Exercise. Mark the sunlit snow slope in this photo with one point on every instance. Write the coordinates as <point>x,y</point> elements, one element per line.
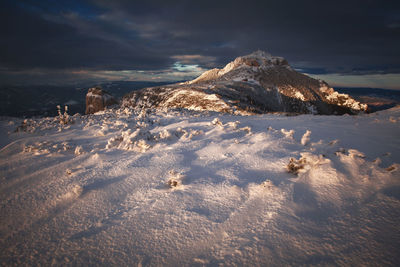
<point>126,188</point>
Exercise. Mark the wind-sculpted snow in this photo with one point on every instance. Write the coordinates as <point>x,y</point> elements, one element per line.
<point>132,187</point>
<point>256,83</point>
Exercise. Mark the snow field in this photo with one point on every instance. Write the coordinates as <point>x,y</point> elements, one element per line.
<point>126,187</point>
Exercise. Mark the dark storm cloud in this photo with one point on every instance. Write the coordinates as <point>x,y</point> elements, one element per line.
<point>338,36</point>
<point>37,39</point>
<point>357,37</point>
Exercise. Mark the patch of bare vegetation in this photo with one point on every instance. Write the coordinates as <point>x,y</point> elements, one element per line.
<point>295,165</point>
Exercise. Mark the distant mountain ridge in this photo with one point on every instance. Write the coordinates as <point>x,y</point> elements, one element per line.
<point>28,101</point>
<point>42,100</point>
<point>255,83</point>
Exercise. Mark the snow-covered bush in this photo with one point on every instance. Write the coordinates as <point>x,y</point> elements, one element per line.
<point>175,179</point>
<point>306,138</point>
<point>63,117</point>
<point>78,150</point>
<point>295,166</point>
<point>216,121</point>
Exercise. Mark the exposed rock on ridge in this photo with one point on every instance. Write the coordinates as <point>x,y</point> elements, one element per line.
<point>256,83</point>
<point>98,99</point>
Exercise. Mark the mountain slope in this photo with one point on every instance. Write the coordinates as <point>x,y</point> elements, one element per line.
<point>256,83</point>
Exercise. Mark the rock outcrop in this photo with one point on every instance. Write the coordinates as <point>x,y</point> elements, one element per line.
<point>98,99</point>
<point>256,83</point>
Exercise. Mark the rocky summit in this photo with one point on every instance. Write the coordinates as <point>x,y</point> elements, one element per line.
<point>98,99</point>
<point>251,84</point>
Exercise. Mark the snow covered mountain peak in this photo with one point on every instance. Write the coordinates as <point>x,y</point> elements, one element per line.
<point>259,54</point>
<point>263,59</point>
<point>250,84</point>
<point>254,61</point>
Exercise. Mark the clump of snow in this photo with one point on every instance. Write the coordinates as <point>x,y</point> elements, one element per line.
<point>187,133</point>
<point>78,150</point>
<point>306,138</point>
<point>286,133</point>
<point>216,121</point>
<point>247,129</point>
<point>74,192</point>
<point>165,134</point>
<point>129,140</point>
<point>233,124</point>
<point>299,95</point>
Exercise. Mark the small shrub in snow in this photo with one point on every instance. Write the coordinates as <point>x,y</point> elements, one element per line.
<point>267,184</point>
<point>172,183</point>
<point>333,142</point>
<point>63,118</point>
<point>141,124</point>
<point>187,134</point>
<point>74,192</point>
<point>77,190</point>
<point>232,124</point>
<point>356,154</point>
<point>216,121</point>
<point>143,114</point>
<point>141,145</point>
<point>130,141</point>
<point>340,151</point>
<point>26,126</point>
<point>181,133</point>
<point>246,129</point>
<point>288,134</point>
<point>295,166</point>
<point>23,126</point>
<point>78,150</point>
<point>65,146</point>
<point>175,179</point>
<point>114,141</point>
<point>165,134</point>
<point>194,133</point>
<point>29,148</point>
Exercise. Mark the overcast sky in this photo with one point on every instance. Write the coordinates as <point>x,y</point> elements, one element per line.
<point>347,43</point>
